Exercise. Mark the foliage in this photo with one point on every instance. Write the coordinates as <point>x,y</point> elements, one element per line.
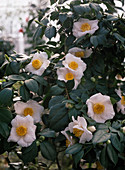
<point>59,98</point>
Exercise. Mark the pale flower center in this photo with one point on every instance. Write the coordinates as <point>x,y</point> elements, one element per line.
<point>37,64</point>
<point>73,65</point>
<point>67,142</point>
<point>69,76</point>
<point>79,54</point>
<point>21,131</point>
<point>85,27</point>
<point>123,100</point>
<point>28,111</point>
<point>77,132</point>
<point>98,108</point>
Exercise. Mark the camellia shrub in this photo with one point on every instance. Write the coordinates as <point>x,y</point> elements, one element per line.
<point>67,99</point>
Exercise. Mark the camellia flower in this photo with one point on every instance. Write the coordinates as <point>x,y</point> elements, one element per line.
<point>23,131</point>
<point>74,64</point>
<point>121,103</point>
<point>69,139</point>
<point>84,26</point>
<point>38,63</point>
<point>79,52</point>
<point>31,108</point>
<point>79,129</point>
<point>100,108</point>
<point>66,74</point>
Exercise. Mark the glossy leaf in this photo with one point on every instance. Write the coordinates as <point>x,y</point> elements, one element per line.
<point>100,136</point>
<point>74,148</point>
<point>32,85</point>
<point>5,115</point>
<point>48,150</point>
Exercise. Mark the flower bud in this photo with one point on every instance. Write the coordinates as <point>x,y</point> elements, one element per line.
<point>108,142</point>
<point>93,79</point>
<point>92,128</point>
<point>69,105</point>
<point>123,129</point>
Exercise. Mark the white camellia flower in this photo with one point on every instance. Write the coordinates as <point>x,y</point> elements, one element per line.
<point>22,131</point>
<point>79,52</point>
<point>31,108</point>
<point>66,74</point>
<point>74,64</point>
<point>79,129</point>
<point>100,108</point>
<point>84,26</point>
<point>38,63</point>
<point>69,139</point>
<point>121,103</point>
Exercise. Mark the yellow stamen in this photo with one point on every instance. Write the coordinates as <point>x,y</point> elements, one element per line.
<point>98,108</point>
<point>85,27</point>
<point>79,54</point>
<point>21,130</point>
<point>77,132</point>
<point>28,111</point>
<point>69,76</point>
<point>67,142</point>
<point>123,100</point>
<point>73,65</point>
<point>37,64</point>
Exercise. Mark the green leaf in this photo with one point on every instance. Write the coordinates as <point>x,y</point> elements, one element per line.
<point>112,154</point>
<point>8,83</point>
<point>104,158</point>
<point>69,40</point>
<point>56,100</point>
<point>113,100</point>
<point>29,153</point>
<point>95,6</point>
<point>112,18</point>
<point>58,117</point>
<point>4,129</point>
<point>50,32</point>
<point>116,143</point>
<point>62,17</point>
<point>73,112</point>
<point>100,136</point>
<point>48,133</point>
<point>78,156</point>
<point>98,40</point>
<point>103,127</point>
<point>32,85</point>
<point>24,93</point>
<point>5,116</point>
<point>70,84</point>
<point>56,90</point>
<point>6,96</point>
<point>40,80</point>
<point>48,150</point>
<point>81,9</point>
<point>119,37</point>
<point>37,33</point>
<point>94,41</point>
<point>74,149</point>
<point>16,77</point>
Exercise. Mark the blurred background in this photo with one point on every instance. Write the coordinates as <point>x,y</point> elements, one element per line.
<point>14,18</point>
